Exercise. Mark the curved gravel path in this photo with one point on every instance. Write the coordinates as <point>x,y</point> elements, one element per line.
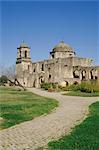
<point>38,132</point>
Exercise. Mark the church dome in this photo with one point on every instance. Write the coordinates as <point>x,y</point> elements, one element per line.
<point>62,47</point>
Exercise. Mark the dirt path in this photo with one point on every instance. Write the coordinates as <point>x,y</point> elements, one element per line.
<point>38,132</point>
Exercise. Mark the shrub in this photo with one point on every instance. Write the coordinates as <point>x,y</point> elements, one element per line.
<point>96,87</point>
<point>74,87</point>
<point>85,87</point>
<point>46,86</point>
<point>3,80</point>
<point>54,86</point>
<point>88,87</point>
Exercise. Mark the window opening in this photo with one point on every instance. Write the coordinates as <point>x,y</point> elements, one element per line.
<point>25,54</point>
<point>49,76</point>
<point>20,54</point>
<point>28,67</point>
<point>42,67</point>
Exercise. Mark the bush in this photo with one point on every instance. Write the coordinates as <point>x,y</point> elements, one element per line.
<point>46,86</point>
<point>85,87</point>
<point>63,88</point>
<point>3,80</point>
<point>73,87</point>
<point>54,86</point>
<point>88,87</point>
<point>96,88</point>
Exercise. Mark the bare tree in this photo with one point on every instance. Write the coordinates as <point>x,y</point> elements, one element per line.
<point>9,72</point>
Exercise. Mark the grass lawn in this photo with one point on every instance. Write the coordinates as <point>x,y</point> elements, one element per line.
<point>83,94</point>
<point>84,136</point>
<point>19,106</point>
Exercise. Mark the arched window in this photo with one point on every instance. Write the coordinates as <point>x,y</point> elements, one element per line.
<point>41,79</point>
<point>25,54</point>
<point>93,74</point>
<point>34,70</point>
<point>76,74</point>
<point>96,75</point>
<point>20,53</point>
<point>49,76</point>
<point>28,67</point>
<point>42,67</point>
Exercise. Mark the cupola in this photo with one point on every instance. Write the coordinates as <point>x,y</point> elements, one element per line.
<point>62,50</point>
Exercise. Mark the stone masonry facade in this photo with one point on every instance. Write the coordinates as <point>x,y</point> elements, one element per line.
<point>63,67</point>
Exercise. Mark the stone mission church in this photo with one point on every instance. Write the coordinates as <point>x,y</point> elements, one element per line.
<point>63,67</point>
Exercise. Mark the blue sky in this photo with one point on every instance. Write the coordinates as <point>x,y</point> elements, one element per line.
<point>43,24</point>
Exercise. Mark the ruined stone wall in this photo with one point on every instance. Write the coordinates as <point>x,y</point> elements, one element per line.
<point>45,71</point>
<point>60,70</point>
<point>55,71</point>
<point>87,73</point>
<point>85,62</point>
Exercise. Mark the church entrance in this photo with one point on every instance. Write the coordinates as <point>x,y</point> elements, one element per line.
<point>41,79</point>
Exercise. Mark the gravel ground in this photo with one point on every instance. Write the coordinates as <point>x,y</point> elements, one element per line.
<point>39,131</point>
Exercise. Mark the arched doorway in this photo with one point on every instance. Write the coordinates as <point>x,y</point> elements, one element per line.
<point>93,74</point>
<point>41,79</point>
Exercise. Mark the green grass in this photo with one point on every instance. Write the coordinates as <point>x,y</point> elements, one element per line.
<point>84,136</point>
<point>19,106</point>
<point>83,94</point>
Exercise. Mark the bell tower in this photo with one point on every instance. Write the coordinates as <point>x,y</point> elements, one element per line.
<point>23,64</point>
<point>23,53</point>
